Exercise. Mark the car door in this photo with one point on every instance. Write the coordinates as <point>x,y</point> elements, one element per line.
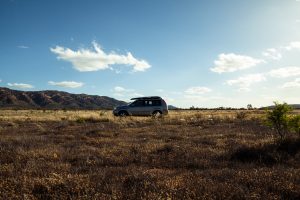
<point>148,108</point>
<point>136,107</point>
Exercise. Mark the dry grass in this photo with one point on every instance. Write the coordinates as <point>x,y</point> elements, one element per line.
<point>186,155</point>
<point>73,115</point>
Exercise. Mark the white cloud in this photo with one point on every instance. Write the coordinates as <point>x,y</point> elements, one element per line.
<point>276,53</point>
<point>285,72</point>
<point>93,60</point>
<point>293,45</point>
<point>124,92</point>
<point>272,53</point>
<point>197,90</point>
<point>23,47</point>
<point>20,85</point>
<point>232,62</point>
<point>67,84</point>
<point>136,94</point>
<point>119,89</point>
<point>295,83</point>
<point>244,82</point>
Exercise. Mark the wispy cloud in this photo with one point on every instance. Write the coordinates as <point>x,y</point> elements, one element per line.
<point>232,62</point>
<point>285,72</point>
<point>276,53</point>
<point>93,60</point>
<point>293,45</point>
<point>66,84</point>
<point>292,84</point>
<point>244,82</point>
<point>120,89</point>
<point>272,53</point>
<point>124,92</point>
<point>20,85</point>
<point>197,90</point>
<point>22,47</point>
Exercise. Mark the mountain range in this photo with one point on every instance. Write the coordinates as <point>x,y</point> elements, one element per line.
<point>51,99</point>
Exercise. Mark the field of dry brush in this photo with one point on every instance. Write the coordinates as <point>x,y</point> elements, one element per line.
<point>186,155</point>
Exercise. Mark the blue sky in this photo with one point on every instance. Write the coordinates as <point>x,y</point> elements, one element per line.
<point>207,53</point>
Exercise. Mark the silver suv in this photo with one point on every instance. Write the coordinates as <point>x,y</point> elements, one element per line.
<point>143,106</point>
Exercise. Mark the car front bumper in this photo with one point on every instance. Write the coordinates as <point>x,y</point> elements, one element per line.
<point>115,112</point>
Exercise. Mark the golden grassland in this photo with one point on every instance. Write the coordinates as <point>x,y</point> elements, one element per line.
<point>46,154</point>
<point>73,115</point>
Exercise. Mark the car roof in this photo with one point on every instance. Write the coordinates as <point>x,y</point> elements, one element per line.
<point>147,98</point>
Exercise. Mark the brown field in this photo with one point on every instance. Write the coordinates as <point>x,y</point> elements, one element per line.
<point>185,155</point>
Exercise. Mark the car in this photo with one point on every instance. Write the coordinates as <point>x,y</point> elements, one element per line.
<point>143,106</point>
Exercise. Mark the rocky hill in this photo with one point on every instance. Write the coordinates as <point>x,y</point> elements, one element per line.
<point>50,99</point>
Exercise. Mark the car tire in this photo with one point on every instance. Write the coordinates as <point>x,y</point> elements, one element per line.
<point>157,114</point>
<point>122,113</point>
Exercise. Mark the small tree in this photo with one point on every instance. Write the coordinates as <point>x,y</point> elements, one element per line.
<point>249,107</point>
<point>278,119</point>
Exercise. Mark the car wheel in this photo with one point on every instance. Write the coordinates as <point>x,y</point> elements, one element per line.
<point>156,114</point>
<point>123,113</point>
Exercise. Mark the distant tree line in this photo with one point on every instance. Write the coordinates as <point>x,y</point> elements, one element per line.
<point>249,107</point>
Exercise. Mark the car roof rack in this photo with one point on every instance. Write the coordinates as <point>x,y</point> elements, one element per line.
<point>143,98</point>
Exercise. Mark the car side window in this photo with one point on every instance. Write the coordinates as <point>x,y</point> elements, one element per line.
<point>138,103</point>
<point>148,103</point>
<point>156,103</point>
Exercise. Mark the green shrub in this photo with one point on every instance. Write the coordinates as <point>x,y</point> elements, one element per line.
<point>278,119</point>
<point>294,124</point>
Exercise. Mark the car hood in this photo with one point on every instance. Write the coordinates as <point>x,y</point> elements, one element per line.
<point>121,107</point>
